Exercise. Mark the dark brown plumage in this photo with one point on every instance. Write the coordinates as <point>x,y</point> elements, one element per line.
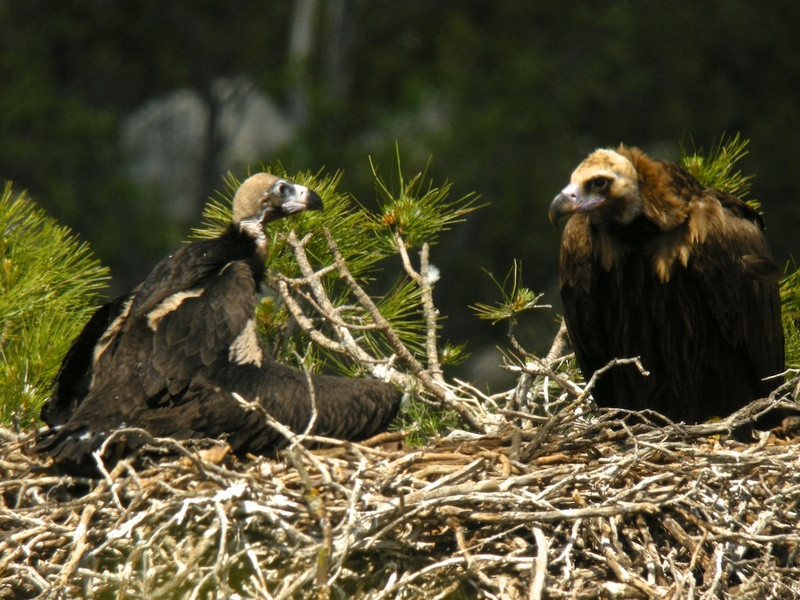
<point>169,356</point>
<point>655,265</point>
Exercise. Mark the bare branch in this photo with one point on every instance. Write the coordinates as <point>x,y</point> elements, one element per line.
<point>384,326</point>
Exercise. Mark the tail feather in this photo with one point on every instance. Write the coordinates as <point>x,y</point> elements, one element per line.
<point>73,451</point>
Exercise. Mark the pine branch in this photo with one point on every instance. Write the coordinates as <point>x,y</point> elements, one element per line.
<point>715,169</point>
<point>49,283</point>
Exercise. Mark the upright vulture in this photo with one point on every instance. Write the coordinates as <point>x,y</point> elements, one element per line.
<point>655,265</point>
<point>169,356</point>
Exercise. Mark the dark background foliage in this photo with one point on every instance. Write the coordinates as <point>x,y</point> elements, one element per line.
<point>506,97</point>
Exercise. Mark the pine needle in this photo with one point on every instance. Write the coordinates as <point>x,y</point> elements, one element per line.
<point>49,285</point>
<point>715,169</point>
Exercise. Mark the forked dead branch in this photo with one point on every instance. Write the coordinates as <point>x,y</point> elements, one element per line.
<point>539,496</point>
<point>428,375</point>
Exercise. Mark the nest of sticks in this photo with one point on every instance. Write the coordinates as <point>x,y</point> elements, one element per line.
<point>544,496</point>
<point>579,507</point>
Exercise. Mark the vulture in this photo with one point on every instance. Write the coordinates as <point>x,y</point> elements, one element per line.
<point>657,266</point>
<point>171,356</point>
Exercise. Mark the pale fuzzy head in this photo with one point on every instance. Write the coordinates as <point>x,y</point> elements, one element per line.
<point>263,197</point>
<point>605,185</point>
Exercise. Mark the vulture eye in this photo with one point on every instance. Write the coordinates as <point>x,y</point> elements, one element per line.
<point>282,188</point>
<point>598,184</point>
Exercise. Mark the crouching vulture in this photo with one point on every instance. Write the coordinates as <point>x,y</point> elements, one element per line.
<point>169,356</point>
<point>655,265</point>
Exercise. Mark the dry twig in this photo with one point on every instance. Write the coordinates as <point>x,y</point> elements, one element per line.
<point>653,513</point>
<point>565,503</point>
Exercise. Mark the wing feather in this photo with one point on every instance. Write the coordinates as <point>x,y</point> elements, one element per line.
<point>199,331</point>
<point>74,378</point>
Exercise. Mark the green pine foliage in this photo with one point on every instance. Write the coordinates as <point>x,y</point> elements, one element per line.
<point>49,284</point>
<point>515,298</point>
<point>715,169</point>
<point>790,306</point>
<point>416,208</point>
<point>424,422</point>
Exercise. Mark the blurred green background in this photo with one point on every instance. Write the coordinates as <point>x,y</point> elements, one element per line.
<point>120,118</point>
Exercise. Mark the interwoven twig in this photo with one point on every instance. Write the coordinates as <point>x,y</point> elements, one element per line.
<point>605,507</point>
<point>543,497</point>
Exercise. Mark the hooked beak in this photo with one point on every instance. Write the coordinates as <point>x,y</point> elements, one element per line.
<point>299,198</point>
<point>289,199</point>
<point>572,200</point>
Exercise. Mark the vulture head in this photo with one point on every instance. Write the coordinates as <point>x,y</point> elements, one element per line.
<point>605,185</point>
<point>263,198</point>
